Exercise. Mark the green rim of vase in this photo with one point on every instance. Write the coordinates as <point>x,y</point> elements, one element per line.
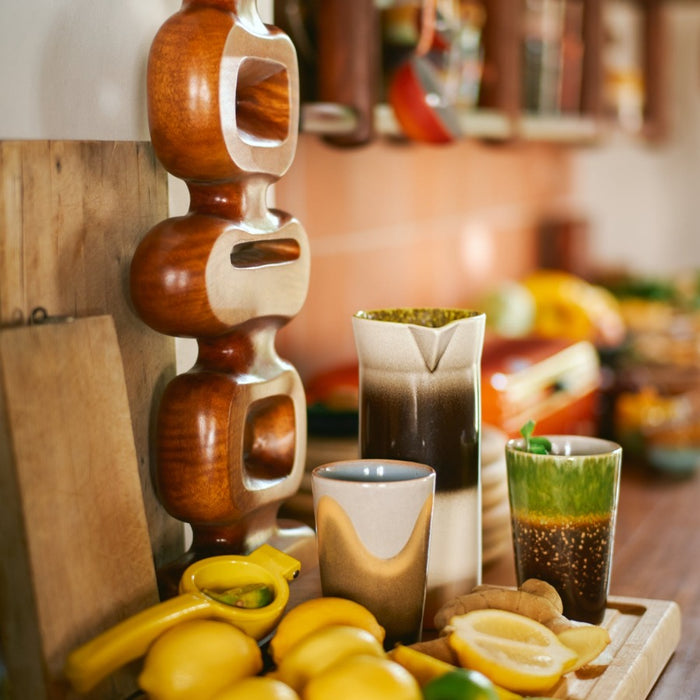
<point>418,316</point>
<point>555,485</point>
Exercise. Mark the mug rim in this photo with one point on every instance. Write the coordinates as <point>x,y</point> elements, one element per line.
<point>419,471</point>
<point>599,446</point>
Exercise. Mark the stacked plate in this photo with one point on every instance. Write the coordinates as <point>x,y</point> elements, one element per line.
<point>495,509</point>
<point>496,532</point>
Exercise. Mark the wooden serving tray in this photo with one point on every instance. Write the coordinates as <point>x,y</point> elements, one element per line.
<point>644,635</point>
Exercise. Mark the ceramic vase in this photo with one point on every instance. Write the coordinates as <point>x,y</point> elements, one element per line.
<point>420,401</point>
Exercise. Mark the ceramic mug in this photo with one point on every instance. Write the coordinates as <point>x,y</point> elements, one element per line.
<point>373,526</point>
<point>563,511</point>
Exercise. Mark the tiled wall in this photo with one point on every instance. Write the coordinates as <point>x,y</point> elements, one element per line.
<point>393,224</point>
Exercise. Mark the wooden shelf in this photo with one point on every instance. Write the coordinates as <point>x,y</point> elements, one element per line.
<point>488,124</point>
<point>560,128</point>
<point>350,113</point>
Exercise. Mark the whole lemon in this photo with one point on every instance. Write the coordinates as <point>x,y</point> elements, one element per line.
<point>316,613</point>
<point>323,648</point>
<point>363,677</point>
<point>195,659</point>
<point>257,688</point>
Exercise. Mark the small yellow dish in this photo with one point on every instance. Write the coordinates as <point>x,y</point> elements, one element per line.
<point>130,639</point>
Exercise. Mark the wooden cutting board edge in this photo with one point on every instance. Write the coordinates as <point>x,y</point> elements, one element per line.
<point>645,652</point>
<point>76,554</point>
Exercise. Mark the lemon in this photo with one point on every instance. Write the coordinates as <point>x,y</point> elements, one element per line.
<point>568,306</point>
<point>514,651</point>
<point>363,677</point>
<point>421,666</point>
<point>311,615</point>
<point>323,648</point>
<point>257,688</point>
<point>195,659</point>
<point>460,684</point>
<point>588,641</point>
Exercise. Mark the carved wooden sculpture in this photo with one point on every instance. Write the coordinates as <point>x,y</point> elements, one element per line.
<point>231,432</point>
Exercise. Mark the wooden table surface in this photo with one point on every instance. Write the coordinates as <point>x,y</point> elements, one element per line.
<point>656,555</point>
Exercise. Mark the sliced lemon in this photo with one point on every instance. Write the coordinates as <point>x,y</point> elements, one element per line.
<point>514,651</point>
<point>588,641</point>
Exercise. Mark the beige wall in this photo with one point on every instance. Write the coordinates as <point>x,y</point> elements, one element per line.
<point>642,198</point>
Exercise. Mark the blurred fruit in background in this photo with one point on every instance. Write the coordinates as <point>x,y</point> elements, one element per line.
<point>654,396</point>
<point>656,415</point>
<point>567,306</point>
<point>510,310</point>
<point>555,304</point>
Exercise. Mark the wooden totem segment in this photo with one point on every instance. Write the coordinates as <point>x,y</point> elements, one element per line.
<point>231,432</point>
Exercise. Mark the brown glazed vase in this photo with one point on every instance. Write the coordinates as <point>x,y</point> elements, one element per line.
<point>420,401</point>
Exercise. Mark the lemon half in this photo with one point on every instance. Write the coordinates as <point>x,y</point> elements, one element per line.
<point>512,650</point>
<point>588,641</point>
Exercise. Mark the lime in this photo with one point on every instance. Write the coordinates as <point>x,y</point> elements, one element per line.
<point>460,684</point>
<point>510,310</point>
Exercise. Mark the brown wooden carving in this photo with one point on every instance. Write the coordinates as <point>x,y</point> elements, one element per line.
<point>223,107</point>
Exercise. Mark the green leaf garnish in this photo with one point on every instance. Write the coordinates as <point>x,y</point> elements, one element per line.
<point>527,430</point>
<point>535,444</point>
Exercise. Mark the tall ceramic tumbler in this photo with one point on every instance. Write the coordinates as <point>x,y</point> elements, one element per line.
<point>563,511</point>
<point>373,526</point>
<point>420,401</point>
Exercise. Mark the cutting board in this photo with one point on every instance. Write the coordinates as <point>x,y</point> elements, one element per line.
<point>74,544</point>
<point>72,214</point>
<point>644,634</point>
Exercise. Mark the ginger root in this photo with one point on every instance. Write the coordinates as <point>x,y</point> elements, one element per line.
<point>535,599</point>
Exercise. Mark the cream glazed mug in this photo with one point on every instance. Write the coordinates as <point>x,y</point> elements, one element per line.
<point>373,520</point>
